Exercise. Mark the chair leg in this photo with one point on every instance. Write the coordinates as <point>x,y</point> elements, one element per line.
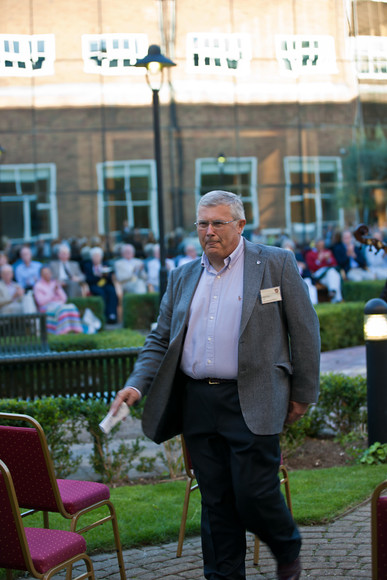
<point>113,518</point>
<point>256,551</point>
<point>184,518</point>
<point>46,522</point>
<point>8,574</point>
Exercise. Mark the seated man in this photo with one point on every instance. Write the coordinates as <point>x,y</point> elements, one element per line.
<point>27,272</point>
<point>130,272</point>
<point>68,272</point>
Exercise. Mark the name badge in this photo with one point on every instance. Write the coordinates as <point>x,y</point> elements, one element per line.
<point>271,295</point>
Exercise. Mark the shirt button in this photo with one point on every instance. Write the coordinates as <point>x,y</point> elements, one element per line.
<point>209,361</point>
<point>209,339</point>
<point>211,318</point>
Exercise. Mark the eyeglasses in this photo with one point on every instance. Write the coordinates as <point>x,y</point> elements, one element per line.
<point>216,224</point>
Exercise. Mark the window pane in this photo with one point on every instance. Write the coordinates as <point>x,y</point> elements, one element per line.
<point>141,217</point>
<point>115,189</point>
<point>7,188</point>
<point>117,215</point>
<point>139,188</point>
<point>11,219</point>
<point>329,209</point>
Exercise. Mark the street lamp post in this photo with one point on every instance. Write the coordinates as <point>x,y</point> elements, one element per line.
<point>155,63</point>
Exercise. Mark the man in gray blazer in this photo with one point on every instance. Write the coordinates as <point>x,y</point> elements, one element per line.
<point>68,272</point>
<point>235,356</point>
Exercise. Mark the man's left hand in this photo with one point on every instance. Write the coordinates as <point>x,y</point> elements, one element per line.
<point>295,412</point>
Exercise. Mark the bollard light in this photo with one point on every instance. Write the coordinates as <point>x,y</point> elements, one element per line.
<point>375,335</point>
<point>375,320</point>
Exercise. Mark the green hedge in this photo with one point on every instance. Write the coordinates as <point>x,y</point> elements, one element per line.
<point>121,338</point>
<point>95,303</point>
<point>341,325</point>
<point>362,291</point>
<point>140,310</point>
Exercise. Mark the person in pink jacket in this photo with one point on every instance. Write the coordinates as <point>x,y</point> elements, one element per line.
<point>50,298</point>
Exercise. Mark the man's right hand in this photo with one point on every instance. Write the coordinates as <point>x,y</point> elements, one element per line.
<point>127,395</point>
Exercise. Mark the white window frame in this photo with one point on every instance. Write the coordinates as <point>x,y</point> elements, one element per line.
<point>128,167</point>
<point>219,49</point>
<point>321,51</point>
<point>122,48</point>
<point>310,165</point>
<point>46,170</point>
<point>370,52</point>
<point>210,165</point>
<point>27,49</point>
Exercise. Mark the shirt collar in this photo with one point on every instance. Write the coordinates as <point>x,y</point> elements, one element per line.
<point>229,261</point>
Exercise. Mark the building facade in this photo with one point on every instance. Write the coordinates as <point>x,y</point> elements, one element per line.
<point>274,101</point>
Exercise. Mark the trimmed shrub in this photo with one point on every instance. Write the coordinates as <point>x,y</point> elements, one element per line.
<point>341,325</point>
<point>95,303</point>
<point>121,338</point>
<point>140,310</point>
<point>362,291</point>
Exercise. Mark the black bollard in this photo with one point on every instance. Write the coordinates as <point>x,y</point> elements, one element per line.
<point>375,334</point>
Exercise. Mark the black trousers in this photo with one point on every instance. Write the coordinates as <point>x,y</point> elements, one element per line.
<point>237,473</point>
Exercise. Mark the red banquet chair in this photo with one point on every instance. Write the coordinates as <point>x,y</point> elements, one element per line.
<point>25,452</point>
<point>191,486</point>
<point>40,552</point>
<point>379,532</point>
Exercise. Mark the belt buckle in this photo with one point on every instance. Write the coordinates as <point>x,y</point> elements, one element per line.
<point>213,382</point>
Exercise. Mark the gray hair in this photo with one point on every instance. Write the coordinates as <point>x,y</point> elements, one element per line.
<point>218,197</point>
<point>96,250</point>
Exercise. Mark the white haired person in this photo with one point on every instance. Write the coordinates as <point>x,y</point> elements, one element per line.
<point>11,293</point>
<point>61,317</point>
<point>99,276</point>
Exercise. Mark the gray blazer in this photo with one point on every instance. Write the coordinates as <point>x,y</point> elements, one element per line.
<point>278,348</point>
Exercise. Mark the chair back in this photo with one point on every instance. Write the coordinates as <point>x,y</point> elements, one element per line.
<point>12,536</point>
<point>25,452</point>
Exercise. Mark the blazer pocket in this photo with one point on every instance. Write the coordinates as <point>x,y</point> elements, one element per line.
<point>287,366</point>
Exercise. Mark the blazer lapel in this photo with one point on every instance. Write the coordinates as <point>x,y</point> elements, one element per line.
<point>254,267</point>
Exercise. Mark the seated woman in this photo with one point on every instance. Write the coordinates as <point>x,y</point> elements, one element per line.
<point>99,277</point>
<point>50,298</point>
<point>11,293</point>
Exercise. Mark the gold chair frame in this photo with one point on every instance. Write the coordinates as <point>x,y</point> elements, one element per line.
<point>374,528</point>
<point>65,565</point>
<point>191,486</point>
<point>60,507</point>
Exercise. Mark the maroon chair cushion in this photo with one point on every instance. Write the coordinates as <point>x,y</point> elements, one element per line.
<point>77,495</point>
<point>21,451</point>
<point>381,517</point>
<point>49,548</point>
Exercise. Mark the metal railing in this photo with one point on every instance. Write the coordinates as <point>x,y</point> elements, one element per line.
<point>87,374</point>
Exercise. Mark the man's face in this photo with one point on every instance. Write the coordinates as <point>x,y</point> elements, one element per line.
<point>221,242</point>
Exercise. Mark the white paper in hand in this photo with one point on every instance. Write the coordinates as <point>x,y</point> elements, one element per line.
<point>108,423</point>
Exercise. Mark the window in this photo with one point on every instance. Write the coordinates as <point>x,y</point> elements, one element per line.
<point>127,191</point>
<point>27,55</point>
<point>311,201</point>
<point>236,174</point>
<point>302,54</point>
<point>113,54</point>
<point>221,53</point>
<point>28,202</point>
<point>370,56</point>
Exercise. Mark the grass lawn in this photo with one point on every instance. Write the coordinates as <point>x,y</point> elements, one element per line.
<point>150,514</point>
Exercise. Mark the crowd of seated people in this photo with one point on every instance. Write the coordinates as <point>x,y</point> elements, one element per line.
<point>131,264</point>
